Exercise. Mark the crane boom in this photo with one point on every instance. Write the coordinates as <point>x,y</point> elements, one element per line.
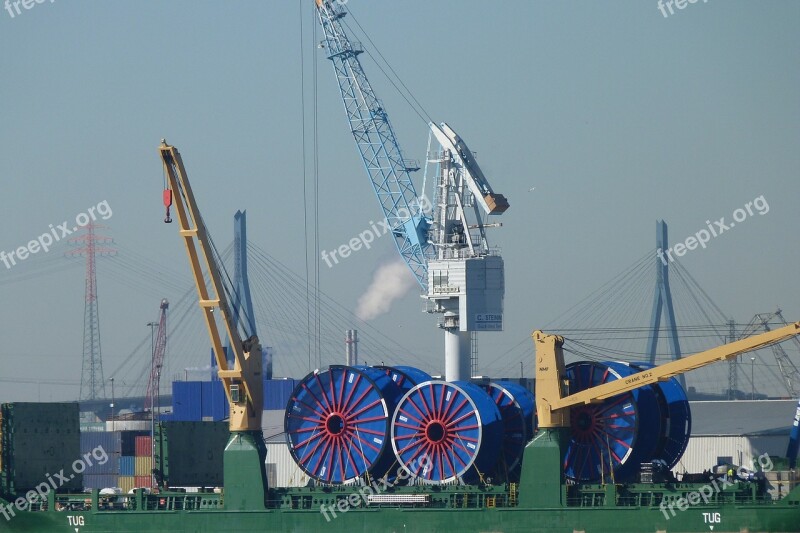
<point>491,202</point>
<point>157,362</point>
<point>553,405</point>
<point>243,384</point>
<point>380,152</point>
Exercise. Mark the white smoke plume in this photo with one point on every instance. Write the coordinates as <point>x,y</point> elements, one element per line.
<point>389,282</point>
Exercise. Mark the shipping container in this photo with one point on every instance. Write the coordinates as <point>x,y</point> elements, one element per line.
<point>127,466</point>
<point>100,452</point>
<point>129,440</point>
<point>144,446</point>
<point>108,441</point>
<point>205,401</point>
<point>192,453</point>
<point>99,481</point>
<point>219,402</point>
<point>187,397</point>
<point>143,481</point>
<point>101,463</point>
<point>277,392</point>
<point>126,483</point>
<point>37,439</point>
<point>143,466</point>
<point>127,425</point>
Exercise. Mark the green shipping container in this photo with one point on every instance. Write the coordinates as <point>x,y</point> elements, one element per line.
<point>189,454</point>
<point>38,441</point>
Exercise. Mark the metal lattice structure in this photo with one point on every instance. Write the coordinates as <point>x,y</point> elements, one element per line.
<point>157,362</point>
<point>93,385</point>
<point>380,152</point>
<point>788,370</point>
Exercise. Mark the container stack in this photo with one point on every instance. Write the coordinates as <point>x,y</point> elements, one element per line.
<point>143,467</point>
<point>103,450</point>
<point>127,468</point>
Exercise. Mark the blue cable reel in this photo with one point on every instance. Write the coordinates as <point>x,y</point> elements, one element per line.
<point>602,435</point>
<point>337,423</point>
<point>678,417</point>
<point>517,406</point>
<point>446,432</point>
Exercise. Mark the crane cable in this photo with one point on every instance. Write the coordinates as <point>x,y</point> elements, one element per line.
<point>305,178</point>
<point>418,109</point>
<point>317,303</point>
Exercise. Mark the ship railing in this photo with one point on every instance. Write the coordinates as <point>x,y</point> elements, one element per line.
<point>373,499</point>
<point>182,501</point>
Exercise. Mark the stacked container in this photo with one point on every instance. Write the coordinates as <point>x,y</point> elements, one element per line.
<point>127,469</point>
<point>143,467</point>
<point>103,451</point>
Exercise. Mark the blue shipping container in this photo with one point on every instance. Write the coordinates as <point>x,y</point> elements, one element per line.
<point>99,481</point>
<point>109,441</point>
<point>100,451</point>
<point>187,399</point>
<point>127,465</point>
<point>205,410</point>
<point>277,392</point>
<point>219,402</point>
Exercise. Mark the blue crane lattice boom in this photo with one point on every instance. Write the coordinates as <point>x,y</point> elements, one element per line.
<point>377,145</point>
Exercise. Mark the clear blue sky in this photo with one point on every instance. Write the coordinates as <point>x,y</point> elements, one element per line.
<point>616,115</point>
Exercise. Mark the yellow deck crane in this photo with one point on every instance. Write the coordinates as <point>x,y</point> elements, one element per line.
<point>542,474</point>
<point>243,384</point>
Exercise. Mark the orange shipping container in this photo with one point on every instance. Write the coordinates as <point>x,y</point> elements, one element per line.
<point>144,446</point>
<point>144,481</point>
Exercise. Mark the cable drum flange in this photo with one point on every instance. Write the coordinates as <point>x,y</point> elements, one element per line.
<point>678,427</point>
<point>405,377</point>
<point>652,423</point>
<point>443,432</point>
<point>517,406</point>
<point>603,434</point>
<point>337,423</point>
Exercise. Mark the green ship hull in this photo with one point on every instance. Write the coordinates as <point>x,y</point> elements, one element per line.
<point>727,518</point>
<point>541,502</point>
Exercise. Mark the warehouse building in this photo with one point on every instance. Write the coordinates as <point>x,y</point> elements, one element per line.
<point>736,432</point>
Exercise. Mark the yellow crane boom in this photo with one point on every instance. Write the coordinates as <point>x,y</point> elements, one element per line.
<point>243,383</point>
<point>552,403</point>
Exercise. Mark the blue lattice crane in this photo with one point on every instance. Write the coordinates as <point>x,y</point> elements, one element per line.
<point>448,253</point>
<point>377,144</point>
